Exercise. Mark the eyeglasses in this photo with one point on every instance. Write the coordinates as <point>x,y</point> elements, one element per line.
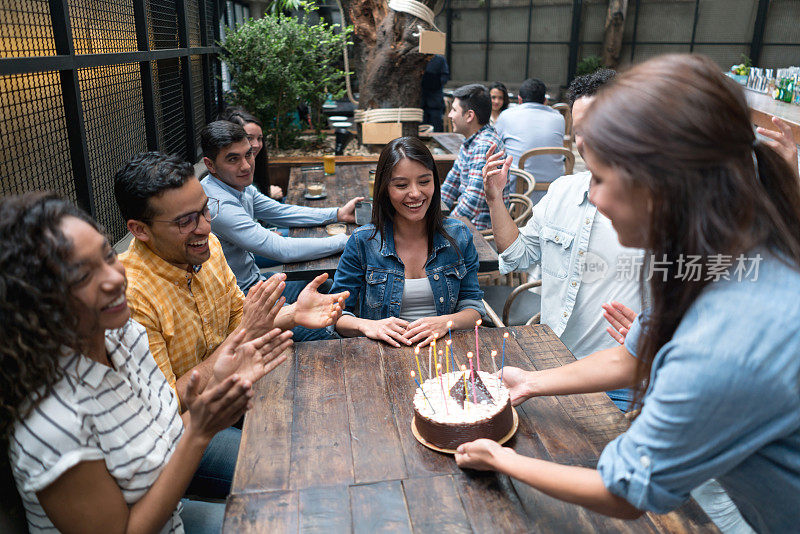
<point>188,223</point>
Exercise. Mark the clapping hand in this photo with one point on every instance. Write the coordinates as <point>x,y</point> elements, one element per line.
<point>620,317</point>
<point>218,406</point>
<point>495,173</point>
<point>317,310</point>
<point>251,360</point>
<point>262,304</point>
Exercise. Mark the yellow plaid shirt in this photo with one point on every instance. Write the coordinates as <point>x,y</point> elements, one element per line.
<point>186,314</point>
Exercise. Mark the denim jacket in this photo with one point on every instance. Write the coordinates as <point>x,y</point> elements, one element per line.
<point>374,274</point>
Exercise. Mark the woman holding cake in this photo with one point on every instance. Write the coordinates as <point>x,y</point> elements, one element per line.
<point>94,436</point>
<point>411,271</point>
<point>716,357</point>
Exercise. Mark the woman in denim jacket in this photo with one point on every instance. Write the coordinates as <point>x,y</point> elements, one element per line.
<point>409,280</point>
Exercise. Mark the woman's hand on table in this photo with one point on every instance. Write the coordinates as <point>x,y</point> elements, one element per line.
<point>495,173</point>
<point>422,331</point>
<point>391,330</point>
<point>318,310</point>
<point>782,142</point>
<point>518,383</point>
<point>481,454</point>
<point>621,318</point>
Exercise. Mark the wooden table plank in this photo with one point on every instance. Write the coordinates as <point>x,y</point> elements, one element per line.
<point>324,510</point>
<point>377,451</point>
<point>350,409</point>
<point>351,181</point>
<point>321,453</point>
<point>435,506</point>
<point>265,450</point>
<point>491,503</point>
<point>379,507</point>
<point>273,511</point>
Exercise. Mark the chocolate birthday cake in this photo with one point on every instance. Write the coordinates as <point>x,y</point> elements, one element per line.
<point>449,412</point>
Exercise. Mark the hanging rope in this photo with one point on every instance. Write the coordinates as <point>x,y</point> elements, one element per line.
<point>413,7</point>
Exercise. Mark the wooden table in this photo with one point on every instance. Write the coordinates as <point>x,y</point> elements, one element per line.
<point>348,182</point>
<point>328,448</point>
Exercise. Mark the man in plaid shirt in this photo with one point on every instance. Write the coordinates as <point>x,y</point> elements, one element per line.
<point>462,190</point>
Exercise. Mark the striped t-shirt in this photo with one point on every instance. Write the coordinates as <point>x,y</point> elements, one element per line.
<point>126,416</point>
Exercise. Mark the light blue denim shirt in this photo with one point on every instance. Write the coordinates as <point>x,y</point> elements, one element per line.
<point>242,237</point>
<point>375,275</point>
<point>723,403</point>
<point>531,125</point>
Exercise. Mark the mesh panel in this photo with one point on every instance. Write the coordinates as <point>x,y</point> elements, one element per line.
<point>169,106</point>
<point>163,26</point>
<point>549,63</point>
<point>34,151</point>
<point>723,55</point>
<point>193,21</point>
<point>25,29</point>
<point>467,62</point>
<point>210,5</point>
<point>102,26</point>
<point>644,52</point>
<point>779,56</point>
<point>726,21</point>
<point>508,25</point>
<point>551,22</point>
<point>198,99</point>
<point>660,20</point>
<point>782,25</point>
<point>593,21</point>
<point>112,112</point>
<point>505,64</point>
<point>469,25</point>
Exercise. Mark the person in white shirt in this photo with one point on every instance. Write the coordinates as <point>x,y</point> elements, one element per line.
<point>581,258</point>
<point>96,442</point>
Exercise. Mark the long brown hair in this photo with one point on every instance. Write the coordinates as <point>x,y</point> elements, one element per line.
<point>677,128</point>
<point>382,209</point>
<point>37,310</point>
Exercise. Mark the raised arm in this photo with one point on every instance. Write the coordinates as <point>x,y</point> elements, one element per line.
<point>495,179</point>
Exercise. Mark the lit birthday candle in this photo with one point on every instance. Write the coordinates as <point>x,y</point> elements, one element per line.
<point>441,383</point>
<point>472,377</point>
<point>503,360</point>
<point>423,391</point>
<point>477,348</point>
<point>450,332</point>
<point>466,395</point>
<point>416,357</point>
<point>494,362</point>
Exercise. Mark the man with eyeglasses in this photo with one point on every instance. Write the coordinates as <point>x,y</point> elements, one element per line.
<point>182,291</point>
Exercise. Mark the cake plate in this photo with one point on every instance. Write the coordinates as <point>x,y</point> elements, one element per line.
<point>453,451</point>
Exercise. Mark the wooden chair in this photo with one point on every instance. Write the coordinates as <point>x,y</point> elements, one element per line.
<point>520,306</point>
<point>520,207</point>
<point>524,178</point>
<point>569,157</point>
<point>567,113</point>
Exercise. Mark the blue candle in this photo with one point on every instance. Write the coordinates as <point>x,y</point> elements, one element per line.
<point>503,359</point>
<point>423,391</point>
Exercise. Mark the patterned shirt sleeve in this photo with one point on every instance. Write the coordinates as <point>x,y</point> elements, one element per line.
<point>473,200</point>
<point>451,183</point>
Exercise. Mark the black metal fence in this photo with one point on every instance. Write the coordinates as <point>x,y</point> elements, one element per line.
<point>511,40</point>
<point>84,84</point>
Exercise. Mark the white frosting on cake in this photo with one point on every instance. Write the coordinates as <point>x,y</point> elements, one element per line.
<point>445,409</point>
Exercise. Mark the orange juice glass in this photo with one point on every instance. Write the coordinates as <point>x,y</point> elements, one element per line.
<point>329,162</point>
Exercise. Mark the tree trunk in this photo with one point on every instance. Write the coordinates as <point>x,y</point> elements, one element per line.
<point>390,68</point>
<point>614,28</point>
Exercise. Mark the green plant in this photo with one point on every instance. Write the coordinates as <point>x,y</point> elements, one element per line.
<point>589,64</point>
<point>279,61</point>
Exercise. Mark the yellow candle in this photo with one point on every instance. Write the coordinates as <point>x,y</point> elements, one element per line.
<point>416,357</point>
